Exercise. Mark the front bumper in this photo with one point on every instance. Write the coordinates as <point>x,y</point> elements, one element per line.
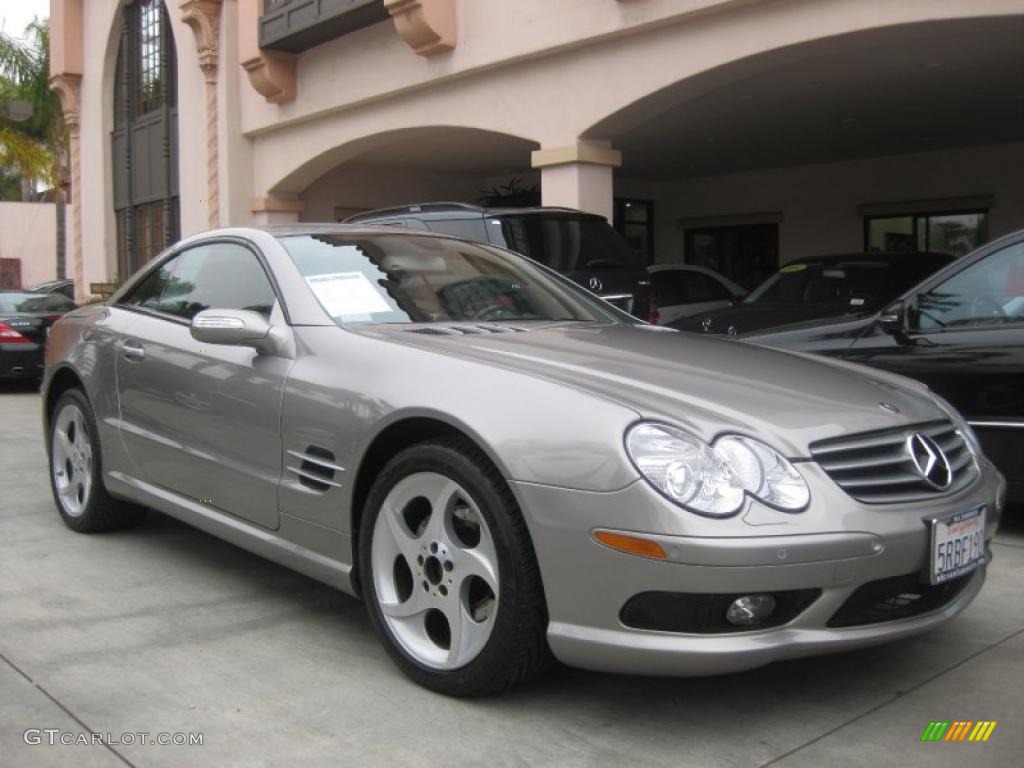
<point>836,546</point>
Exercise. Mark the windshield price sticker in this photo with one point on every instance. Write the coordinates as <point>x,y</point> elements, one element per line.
<point>344,294</point>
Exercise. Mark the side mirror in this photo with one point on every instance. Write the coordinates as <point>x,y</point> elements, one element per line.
<point>239,328</point>
<point>893,319</point>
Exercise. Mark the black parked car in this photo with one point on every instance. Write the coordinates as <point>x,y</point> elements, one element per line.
<point>25,319</point>
<point>856,284</point>
<point>64,286</point>
<point>581,246</point>
<point>961,332</point>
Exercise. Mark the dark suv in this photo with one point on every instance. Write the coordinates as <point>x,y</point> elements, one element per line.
<point>581,246</point>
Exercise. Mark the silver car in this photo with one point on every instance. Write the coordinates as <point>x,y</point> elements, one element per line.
<point>506,468</point>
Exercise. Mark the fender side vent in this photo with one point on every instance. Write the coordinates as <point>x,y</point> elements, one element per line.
<point>315,468</point>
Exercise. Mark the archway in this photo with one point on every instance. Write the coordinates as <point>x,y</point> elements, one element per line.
<point>420,164</point>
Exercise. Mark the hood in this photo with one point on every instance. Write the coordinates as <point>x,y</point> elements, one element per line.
<point>706,384</point>
<point>747,318</point>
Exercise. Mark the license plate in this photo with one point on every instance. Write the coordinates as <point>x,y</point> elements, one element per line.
<point>958,545</point>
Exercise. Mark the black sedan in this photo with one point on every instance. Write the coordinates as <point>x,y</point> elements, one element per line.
<point>961,332</point>
<point>25,319</point>
<point>63,286</point>
<point>808,290</point>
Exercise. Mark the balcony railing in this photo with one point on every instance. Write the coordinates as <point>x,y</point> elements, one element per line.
<point>296,25</point>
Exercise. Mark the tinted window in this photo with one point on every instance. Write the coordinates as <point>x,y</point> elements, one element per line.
<point>565,244</point>
<point>699,288</point>
<point>471,229</point>
<point>215,276</point>
<point>679,286</point>
<point>855,284</point>
<point>989,292</point>
<point>147,293</point>
<point>668,288</point>
<point>34,302</point>
<point>407,278</point>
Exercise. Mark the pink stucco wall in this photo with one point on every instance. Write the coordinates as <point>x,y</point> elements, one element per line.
<point>28,231</point>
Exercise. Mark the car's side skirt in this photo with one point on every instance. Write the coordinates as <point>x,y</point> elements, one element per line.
<point>279,546</point>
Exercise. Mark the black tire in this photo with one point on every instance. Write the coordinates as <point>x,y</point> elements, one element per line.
<point>517,648</point>
<point>101,512</point>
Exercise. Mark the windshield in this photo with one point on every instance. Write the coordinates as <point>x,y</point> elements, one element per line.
<point>420,279</point>
<point>855,284</point>
<point>34,302</point>
<point>564,243</point>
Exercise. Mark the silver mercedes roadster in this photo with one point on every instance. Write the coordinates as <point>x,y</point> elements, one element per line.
<point>507,469</point>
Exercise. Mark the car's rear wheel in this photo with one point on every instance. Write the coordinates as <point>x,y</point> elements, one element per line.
<point>449,574</point>
<point>76,476</point>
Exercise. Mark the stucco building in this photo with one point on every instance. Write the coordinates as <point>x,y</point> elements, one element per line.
<point>734,133</point>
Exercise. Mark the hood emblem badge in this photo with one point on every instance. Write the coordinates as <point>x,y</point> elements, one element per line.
<point>732,330</point>
<point>929,461</point>
<point>888,407</point>
<point>595,284</point>
<point>705,324</point>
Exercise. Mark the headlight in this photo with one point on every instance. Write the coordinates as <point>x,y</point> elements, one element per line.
<point>764,472</point>
<point>960,422</point>
<point>685,469</point>
<point>712,480</point>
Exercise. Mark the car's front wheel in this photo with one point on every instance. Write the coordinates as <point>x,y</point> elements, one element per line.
<point>76,476</point>
<point>449,574</point>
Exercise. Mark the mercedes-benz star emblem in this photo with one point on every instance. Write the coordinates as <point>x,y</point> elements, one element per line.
<point>705,324</point>
<point>595,284</point>
<point>929,460</point>
<point>888,407</point>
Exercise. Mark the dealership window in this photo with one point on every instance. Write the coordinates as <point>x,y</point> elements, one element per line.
<point>954,233</point>
<point>745,253</point>
<point>634,220</point>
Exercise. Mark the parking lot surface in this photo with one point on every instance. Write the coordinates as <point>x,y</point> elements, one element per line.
<point>166,630</point>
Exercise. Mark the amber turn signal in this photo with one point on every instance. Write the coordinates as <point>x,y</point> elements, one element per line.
<point>631,545</point>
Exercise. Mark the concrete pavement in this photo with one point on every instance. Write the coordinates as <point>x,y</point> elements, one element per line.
<point>166,629</point>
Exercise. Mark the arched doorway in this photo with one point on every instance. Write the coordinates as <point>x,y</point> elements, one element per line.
<point>145,136</point>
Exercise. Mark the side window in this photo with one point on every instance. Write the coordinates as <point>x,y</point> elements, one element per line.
<point>147,293</point>
<point>668,290</point>
<point>989,292</point>
<point>472,229</point>
<point>701,288</point>
<point>215,276</point>
<point>715,290</point>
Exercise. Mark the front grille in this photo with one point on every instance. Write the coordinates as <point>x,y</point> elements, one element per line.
<point>899,597</point>
<point>876,467</point>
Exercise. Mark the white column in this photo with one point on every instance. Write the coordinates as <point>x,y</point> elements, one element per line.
<point>578,176</point>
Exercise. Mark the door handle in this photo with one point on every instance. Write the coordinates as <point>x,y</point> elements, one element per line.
<point>133,350</point>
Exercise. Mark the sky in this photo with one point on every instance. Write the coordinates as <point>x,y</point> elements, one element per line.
<point>15,15</point>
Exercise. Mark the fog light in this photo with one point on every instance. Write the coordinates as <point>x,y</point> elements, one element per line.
<point>750,609</point>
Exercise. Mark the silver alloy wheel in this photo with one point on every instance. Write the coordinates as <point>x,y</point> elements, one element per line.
<point>435,571</point>
<point>72,460</point>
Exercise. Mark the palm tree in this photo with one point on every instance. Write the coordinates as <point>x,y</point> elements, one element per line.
<point>34,147</point>
<point>30,146</point>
